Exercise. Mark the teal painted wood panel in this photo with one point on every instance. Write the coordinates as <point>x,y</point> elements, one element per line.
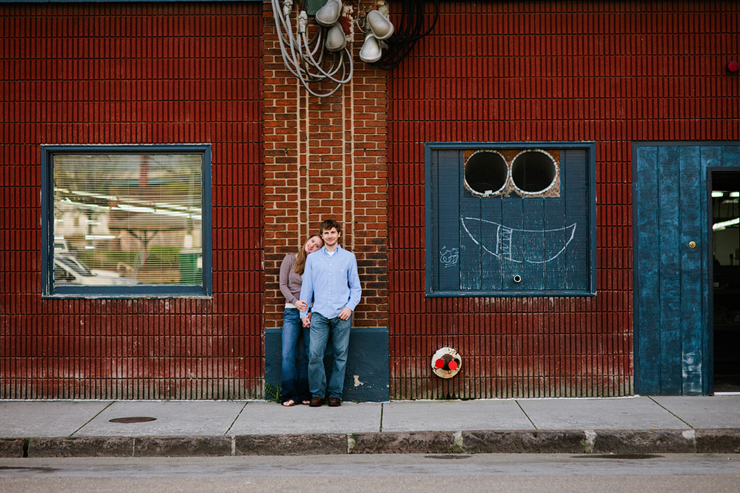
<point>474,273</point>
<point>556,221</point>
<point>647,270</point>
<point>492,274</point>
<point>670,267</point>
<point>505,243</point>
<point>510,243</point>
<point>534,211</point>
<point>673,331</point>
<point>447,251</point>
<point>692,270</point>
<point>574,191</point>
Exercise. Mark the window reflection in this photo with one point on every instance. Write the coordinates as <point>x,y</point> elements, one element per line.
<point>127,219</point>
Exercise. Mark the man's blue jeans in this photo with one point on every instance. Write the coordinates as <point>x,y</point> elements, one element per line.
<point>321,328</point>
<point>295,379</point>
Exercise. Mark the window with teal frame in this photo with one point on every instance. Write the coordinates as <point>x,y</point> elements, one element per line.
<point>126,221</point>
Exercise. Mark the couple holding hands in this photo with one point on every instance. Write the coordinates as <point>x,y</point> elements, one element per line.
<point>321,288</point>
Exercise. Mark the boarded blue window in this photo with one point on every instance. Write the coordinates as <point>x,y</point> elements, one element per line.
<point>512,219</point>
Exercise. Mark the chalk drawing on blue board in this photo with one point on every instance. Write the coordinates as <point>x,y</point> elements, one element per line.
<point>512,244</point>
<point>449,256</point>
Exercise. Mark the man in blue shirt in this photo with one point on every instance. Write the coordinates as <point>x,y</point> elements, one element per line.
<point>331,281</point>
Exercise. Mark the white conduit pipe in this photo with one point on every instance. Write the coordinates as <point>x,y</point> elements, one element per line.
<point>299,53</point>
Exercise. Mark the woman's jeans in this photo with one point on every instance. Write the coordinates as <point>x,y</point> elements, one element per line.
<point>295,377</point>
<point>321,329</point>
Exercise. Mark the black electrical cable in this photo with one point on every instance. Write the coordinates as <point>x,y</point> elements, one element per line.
<point>408,33</point>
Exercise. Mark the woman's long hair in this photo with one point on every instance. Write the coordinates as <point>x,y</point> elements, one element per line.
<point>300,260</point>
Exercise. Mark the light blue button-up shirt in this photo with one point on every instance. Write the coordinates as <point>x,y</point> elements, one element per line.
<point>331,281</point>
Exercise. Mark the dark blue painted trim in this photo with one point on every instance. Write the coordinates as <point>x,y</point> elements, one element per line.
<point>684,143</point>
<point>464,146</point>
<point>48,289</point>
<point>506,294</point>
<point>47,219</point>
<point>428,216</point>
<point>592,216</point>
<point>430,147</point>
<point>636,286</point>
<point>368,360</point>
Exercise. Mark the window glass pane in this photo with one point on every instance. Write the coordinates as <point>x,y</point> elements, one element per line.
<point>127,219</point>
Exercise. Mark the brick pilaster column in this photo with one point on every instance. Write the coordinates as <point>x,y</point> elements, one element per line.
<point>326,158</point>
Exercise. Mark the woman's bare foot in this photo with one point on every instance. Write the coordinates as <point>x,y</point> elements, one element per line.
<point>289,403</point>
<point>306,403</point>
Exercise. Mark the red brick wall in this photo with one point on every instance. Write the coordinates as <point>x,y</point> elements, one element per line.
<point>132,74</point>
<point>325,158</point>
<point>612,73</point>
<point>510,72</point>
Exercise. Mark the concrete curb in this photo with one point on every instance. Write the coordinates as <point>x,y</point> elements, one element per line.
<point>308,444</point>
<point>80,447</point>
<point>447,442</point>
<point>527,442</point>
<point>11,447</point>
<point>723,441</point>
<point>403,443</point>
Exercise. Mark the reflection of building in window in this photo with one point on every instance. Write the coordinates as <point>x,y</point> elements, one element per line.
<point>130,217</point>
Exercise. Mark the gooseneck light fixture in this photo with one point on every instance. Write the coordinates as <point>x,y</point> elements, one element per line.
<point>377,28</point>
<point>379,24</point>
<point>328,15</point>
<point>372,49</point>
<point>316,58</point>
<point>323,55</point>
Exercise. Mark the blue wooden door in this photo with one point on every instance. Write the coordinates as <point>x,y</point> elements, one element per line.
<point>672,323</point>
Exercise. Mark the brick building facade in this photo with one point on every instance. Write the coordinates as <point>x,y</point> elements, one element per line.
<point>490,76</point>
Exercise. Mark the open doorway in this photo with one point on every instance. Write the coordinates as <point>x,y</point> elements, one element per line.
<point>725,196</point>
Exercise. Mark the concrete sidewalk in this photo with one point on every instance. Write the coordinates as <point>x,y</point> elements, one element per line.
<point>629,425</point>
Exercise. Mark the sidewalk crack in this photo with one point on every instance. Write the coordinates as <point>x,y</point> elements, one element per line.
<point>671,412</point>
<point>527,415</point>
<point>237,417</point>
<point>90,420</point>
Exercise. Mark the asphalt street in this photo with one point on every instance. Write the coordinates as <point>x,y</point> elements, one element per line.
<point>410,472</point>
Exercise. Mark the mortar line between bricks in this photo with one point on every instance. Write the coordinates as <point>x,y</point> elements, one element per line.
<point>527,415</point>
<point>89,420</point>
<point>671,413</point>
<point>237,417</point>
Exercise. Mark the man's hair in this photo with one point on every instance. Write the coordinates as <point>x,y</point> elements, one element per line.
<point>328,224</point>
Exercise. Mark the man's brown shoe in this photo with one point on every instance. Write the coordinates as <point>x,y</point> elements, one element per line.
<point>335,402</point>
<point>316,402</point>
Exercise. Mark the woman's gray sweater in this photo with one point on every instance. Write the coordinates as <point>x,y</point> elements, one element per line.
<point>290,281</point>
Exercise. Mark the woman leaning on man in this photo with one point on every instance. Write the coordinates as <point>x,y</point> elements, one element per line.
<point>295,375</point>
